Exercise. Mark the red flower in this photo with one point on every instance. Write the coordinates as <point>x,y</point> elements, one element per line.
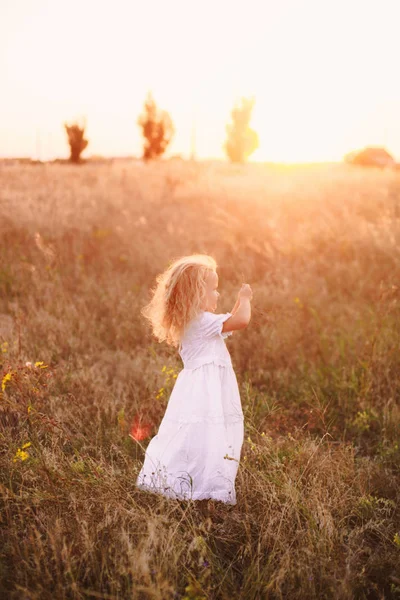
<point>139,431</point>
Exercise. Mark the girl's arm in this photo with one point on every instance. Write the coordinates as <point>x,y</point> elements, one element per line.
<point>242,317</point>
<point>234,309</point>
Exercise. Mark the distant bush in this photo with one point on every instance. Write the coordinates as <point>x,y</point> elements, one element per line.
<point>242,140</point>
<point>76,140</point>
<point>157,129</point>
<point>370,157</point>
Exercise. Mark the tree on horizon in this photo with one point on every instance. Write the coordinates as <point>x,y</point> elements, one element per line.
<point>76,140</point>
<point>157,129</point>
<point>242,140</point>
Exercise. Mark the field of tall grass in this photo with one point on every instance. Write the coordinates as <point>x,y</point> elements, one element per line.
<point>318,491</point>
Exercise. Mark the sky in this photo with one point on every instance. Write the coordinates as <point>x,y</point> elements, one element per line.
<point>324,74</point>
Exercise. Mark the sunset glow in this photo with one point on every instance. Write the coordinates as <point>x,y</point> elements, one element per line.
<point>323,74</point>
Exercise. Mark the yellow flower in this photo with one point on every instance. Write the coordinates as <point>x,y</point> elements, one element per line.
<point>7,377</point>
<point>40,364</point>
<point>298,302</point>
<point>26,445</point>
<point>21,454</point>
<point>4,346</point>
<point>163,369</point>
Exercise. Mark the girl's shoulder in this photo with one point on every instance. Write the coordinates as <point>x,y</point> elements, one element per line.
<point>210,324</point>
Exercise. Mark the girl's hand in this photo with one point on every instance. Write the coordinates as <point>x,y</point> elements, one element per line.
<point>246,291</point>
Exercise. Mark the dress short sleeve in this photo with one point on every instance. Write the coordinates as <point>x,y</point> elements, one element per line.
<point>212,325</point>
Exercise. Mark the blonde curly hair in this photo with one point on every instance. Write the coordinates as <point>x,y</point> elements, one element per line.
<point>178,296</point>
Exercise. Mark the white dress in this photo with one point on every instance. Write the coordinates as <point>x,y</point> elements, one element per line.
<point>196,452</point>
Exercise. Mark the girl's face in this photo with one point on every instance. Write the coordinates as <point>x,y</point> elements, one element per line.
<point>212,293</point>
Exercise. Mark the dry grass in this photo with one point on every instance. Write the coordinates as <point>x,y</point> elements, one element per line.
<point>319,369</point>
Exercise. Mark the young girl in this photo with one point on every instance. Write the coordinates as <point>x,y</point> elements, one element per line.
<point>196,452</point>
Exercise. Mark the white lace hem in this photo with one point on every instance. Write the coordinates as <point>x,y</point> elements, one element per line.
<point>226,497</point>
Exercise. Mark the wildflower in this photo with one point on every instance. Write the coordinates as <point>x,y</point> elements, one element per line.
<point>396,539</point>
<point>4,347</point>
<point>29,365</point>
<point>7,377</point>
<point>21,453</point>
<point>40,364</point>
<point>139,431</point>
<point>163,369</point>
<point>298,302</point>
